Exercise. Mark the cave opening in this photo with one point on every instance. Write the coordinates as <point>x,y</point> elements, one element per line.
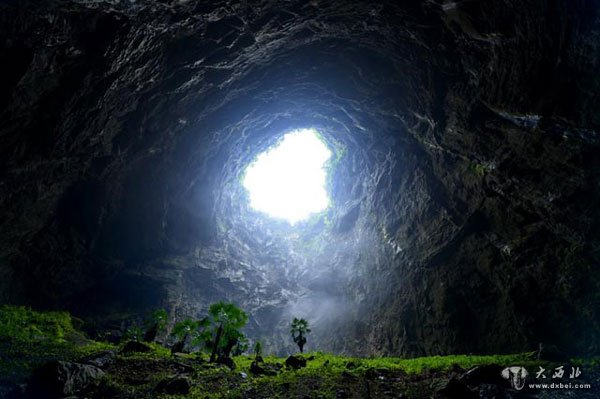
<point>288,180</point>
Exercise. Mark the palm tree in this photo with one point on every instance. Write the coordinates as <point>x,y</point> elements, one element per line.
<point>299,330</point>
<point>155,324</point>
<point>227,319</point>
<point>182,331</point>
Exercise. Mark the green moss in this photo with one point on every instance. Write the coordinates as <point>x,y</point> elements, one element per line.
<point>22,323</point>
<point>29,338</point>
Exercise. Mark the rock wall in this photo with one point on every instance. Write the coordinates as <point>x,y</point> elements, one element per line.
<point>464,191</point>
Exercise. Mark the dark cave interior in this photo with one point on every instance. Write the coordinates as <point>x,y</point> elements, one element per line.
<point>464,179</point>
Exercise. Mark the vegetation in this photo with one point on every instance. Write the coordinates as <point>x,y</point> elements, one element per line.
<point>257,351</point>
<point>226,320</point>
<point>298,331</point>
<point>29,338</point>
<point>24,324</point>
<point>133,333</point>
<point>325,376</point>
<point>184,330</point>
<point>155,325</point>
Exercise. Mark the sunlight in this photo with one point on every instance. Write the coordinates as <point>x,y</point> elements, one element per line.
<point>288,180</point>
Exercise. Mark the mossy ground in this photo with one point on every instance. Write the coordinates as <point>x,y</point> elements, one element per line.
<point>326,376</point>
<point>27,339</point>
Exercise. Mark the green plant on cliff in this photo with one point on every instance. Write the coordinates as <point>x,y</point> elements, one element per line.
<point>298,330</point>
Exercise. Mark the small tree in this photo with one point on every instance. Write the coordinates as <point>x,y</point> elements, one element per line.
<point>258,352</point>
<point>182,331</point>
<point>202,337</point>
<point>156,323</point>
<point>226,320</point>
<point>133,333</point>
<point>299,330</point>
<point>241,346</point>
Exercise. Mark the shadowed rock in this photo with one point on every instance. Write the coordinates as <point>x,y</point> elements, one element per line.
<point>58,379</point>
<point>135,346</point>
<point>178,385</point>
<point>456,390</point>
<point>295,362</point>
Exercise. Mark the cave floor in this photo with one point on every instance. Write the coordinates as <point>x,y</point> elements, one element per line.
<point>93,369</point>
<point>160,374</point>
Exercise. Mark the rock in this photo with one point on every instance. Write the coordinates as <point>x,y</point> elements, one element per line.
<point>491,391</point>
<point>150,335</point>
<point>179,347</point>
<point>9,390</point>
<point>183,368</point>
<point>226,361</point>
<point>101,360</point>
<point>264,369</point>
<point>135,346</point>
<point>456,390</point>
<point>129,380</point>
<point>342,394</point>
<point>552,353</point>
<point>58,379</point>
<point>348,376</point>
<point>488,374</point>
<point>379,373</point>
<point>178,385</point>
<point>295,362</point>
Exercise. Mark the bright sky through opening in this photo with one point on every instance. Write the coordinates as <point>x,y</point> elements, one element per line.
<point>288,180</point>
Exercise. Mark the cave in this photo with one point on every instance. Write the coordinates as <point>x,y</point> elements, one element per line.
<point>458,169</point>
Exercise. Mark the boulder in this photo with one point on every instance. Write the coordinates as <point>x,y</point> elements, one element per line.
<point>456,389</point>
<point>226,361</point>
<point>135,346</point>
<point>178,385</point>
<point>264,369</point>
<point>101,360</point>
<point>295,362</point>
<point>488,374</point>
<point>58,379</point>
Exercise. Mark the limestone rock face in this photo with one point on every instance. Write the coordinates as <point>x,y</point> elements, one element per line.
<point>464,190</point>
